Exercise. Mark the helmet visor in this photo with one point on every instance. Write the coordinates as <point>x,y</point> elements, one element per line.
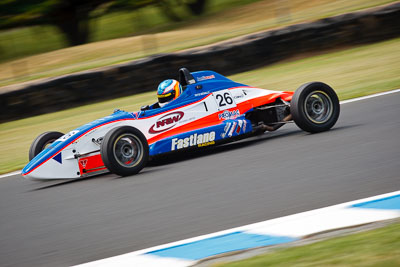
<point>166,97</point>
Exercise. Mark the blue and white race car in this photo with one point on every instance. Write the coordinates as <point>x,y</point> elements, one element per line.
<point>211,110</point>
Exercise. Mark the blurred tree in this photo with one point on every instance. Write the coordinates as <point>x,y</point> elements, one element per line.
<point>196,7</point>
<point>72,16</point>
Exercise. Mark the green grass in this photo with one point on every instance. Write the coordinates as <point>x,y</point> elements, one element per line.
<point>22,42</point>
<point>148,32</point>
<point>353,72</point>
<point>379,247</point>
<point>151,19</point>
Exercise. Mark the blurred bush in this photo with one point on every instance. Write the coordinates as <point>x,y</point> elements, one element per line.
<point>29,27</point>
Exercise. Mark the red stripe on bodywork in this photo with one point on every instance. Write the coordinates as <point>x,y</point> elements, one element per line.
<point>91,164</point>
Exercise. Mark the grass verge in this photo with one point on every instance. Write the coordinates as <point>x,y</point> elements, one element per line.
<point>379,247</point>
<point>211,28</point>
<point>353,72</point>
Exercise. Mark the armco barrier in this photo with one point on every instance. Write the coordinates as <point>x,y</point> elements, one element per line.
<point>231,57</point>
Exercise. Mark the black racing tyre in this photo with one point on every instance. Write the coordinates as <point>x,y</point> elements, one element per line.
<point>41,142</point>
<point>124,150</point>
<point>315,107</point>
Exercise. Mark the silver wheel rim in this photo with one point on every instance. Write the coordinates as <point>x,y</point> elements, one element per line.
<point>128,150</point>
<point>318,107</point>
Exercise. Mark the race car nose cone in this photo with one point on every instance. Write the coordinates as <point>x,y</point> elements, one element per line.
<point>29,173</point>
<point>30,177</point>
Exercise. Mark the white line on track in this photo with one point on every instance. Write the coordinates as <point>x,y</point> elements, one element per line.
<point>341,102</point>
<point>369,96</point>
<point>10,174</point>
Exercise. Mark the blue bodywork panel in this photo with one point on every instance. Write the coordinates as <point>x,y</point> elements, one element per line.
<point>202,137</point>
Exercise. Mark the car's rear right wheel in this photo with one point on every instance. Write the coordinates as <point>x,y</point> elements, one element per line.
<point>315,107</point>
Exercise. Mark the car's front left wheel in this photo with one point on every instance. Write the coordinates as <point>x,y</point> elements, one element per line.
<point>124,150</point>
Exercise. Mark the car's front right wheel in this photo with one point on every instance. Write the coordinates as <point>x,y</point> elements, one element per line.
<point>124,151</point>
<point>42,142</point>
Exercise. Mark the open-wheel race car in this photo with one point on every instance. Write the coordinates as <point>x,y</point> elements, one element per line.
<point>211,110</point>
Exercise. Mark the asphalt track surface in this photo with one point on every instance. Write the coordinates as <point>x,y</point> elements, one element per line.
<point>62,223</point>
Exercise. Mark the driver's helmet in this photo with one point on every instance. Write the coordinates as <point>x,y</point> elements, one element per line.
<point>167,91</point>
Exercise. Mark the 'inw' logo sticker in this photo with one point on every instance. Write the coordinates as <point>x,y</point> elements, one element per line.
<point>166,122</point>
